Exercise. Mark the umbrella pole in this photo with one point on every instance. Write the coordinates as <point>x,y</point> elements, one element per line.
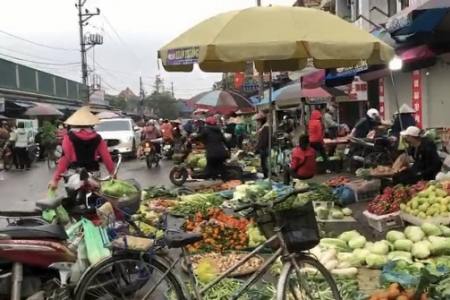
<point>394,87</point>
<point>270,120</point>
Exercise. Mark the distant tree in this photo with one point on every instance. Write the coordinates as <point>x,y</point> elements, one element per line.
<point>163,105</point>
<point>119,102</point>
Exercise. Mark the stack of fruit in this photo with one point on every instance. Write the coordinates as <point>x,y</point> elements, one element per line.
<point>388,202</point>
<point>430,203</point>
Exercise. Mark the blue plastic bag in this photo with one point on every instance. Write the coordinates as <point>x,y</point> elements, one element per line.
<point>345,195</point>
<point>388,276</point>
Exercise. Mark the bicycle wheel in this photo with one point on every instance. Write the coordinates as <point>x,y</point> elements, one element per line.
<point>128,276</point>
<point>312,275</point>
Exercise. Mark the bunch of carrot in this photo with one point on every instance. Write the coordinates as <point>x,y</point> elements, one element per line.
<point>396,292</point>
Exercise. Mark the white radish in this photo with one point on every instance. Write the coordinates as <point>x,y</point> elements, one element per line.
<point>331,264</point>
<point>345,272</point>
<point>328,255</point>
<point>344,265</point>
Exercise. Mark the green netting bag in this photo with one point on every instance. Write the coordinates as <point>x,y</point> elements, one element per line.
<point>95,239</point>
<point>402,145</point>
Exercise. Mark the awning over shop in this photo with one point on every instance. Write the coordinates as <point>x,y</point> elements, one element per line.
<point>63,107</point>
<point>426,18</point>
<point>21,103</point>
<point>408,57</point>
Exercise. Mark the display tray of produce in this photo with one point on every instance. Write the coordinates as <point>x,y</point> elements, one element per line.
<point>337,181</point>
<point>226,260</point>
<point>419,221</point>
<point>190,205</point>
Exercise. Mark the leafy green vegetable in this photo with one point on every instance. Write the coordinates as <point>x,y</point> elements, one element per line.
<point>117,188</point>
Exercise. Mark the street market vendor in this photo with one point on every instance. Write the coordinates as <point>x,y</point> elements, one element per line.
<point>426,161</point>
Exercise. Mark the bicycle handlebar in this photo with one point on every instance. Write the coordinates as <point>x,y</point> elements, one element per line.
<point>271,203</point>
<point>111,176</point>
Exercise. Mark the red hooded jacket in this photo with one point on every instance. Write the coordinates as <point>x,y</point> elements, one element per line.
<point>69,153</point>
<point>303,162</point>
<point>315,128</point>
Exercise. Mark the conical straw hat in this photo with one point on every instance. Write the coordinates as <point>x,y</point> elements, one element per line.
<point>82,117</point>
<point>406,109</point>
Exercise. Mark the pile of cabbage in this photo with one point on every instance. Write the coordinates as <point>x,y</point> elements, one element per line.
<point>415,243</point>
<point>118,188</point>
<point>196,160</point>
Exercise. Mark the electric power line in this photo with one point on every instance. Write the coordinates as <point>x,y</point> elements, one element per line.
<point>34,56</point>
<point>120,39</point>
<point>35,43</point>
<point>37,62</point>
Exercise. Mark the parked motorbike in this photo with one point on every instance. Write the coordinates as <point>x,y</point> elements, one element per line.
<point>35,262</point>
<point>367,153</point>
<point>181,174</point>
<point>150,153</point>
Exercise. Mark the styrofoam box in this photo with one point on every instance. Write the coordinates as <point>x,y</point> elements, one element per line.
<point>326,204</point>
<point>419,221</point>
<point>384,222</point>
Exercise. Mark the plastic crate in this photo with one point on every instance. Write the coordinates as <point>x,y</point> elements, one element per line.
<point>326,204</point>
<point>365,190</point>
<point>384,222</point>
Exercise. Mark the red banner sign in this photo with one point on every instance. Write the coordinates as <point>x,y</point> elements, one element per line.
<point>381,97</point>
<point>417,97</point>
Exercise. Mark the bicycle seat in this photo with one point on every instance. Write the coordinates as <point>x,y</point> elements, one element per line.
<point>49,203</point>
<point>51,231</point>
<point>181,239</point>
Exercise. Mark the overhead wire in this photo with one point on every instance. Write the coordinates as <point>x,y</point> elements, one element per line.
<point>35,43</point>
<point>32,55</point>
<point>120,39</point>
<point>37,62</point>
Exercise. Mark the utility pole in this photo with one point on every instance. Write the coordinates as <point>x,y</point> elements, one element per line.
<point>172,90</point>
<point>260,74</point>
<point>83,17</point>
<point>142,94</point>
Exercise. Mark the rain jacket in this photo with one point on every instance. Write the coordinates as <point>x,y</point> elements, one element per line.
<point>215,142</point>
<point>70,153</point>
<point>151,133</point>
<point>315,128</point>
<point>303,162</point>
<point>166,130</point>
<point>20,138</point>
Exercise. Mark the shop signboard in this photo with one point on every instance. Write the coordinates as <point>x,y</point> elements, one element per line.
<point>417,96</point>
<point>347,72</point>
<point>381,97</point>
<point>183,56</point>
<point>359,90</point>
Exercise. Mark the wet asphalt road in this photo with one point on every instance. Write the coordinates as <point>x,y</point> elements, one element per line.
<point>20,189</point>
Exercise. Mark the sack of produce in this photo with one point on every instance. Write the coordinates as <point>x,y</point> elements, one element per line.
<point>118,188</point>
<point>398,271</point>
<point>345,195</point>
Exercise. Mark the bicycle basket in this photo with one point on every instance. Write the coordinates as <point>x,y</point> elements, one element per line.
<point>299,227</point>
<point>129,204</point>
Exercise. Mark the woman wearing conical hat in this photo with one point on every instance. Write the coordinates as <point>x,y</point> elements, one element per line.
<point>82,146</point>
<point>405,115</point>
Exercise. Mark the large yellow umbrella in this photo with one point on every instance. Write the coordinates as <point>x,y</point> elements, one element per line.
<point>277,38</point>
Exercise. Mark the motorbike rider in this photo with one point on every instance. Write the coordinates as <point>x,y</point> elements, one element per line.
<point>167,132</point>
<point>152,132</point>
<point>82,146</point>
<point>217,148</point>
<point>262,147</point>
<point>366,124</point>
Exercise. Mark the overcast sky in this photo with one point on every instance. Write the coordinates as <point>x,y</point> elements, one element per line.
<point>136,30</point>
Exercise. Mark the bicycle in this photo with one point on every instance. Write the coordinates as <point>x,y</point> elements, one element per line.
<point>293,255</point>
